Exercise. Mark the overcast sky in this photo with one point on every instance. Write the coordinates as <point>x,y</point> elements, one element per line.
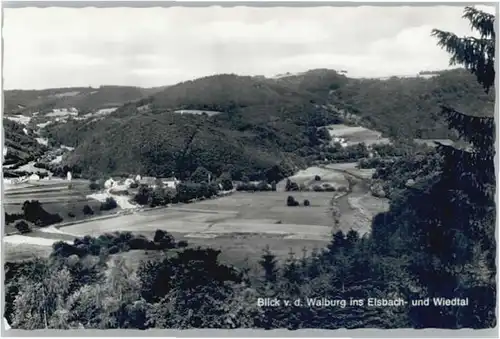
<point>64,47</point>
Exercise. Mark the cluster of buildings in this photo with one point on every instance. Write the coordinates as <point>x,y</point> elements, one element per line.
<point>170,182</point>
<point>341,141</point>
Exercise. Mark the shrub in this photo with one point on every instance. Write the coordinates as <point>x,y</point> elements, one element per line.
<point>23,227</point>
<point>226,181</point>
<point>134,185</point>
<point>141,243</point>
<point>182,243</point>
<point>318,188</point>
<point>143,195</point>
<point>159,235</point>
<point>87,210</point>
<point>164,240</point>
<point>71,214</point>
<point>201,174</point>
<point>290,201</point>
<point>307,203</point>
<point>328,188</point>
<point>114,250</point>
<point>94,186</point>
<point>109,204</point>
<point>34,213</point>
<point>317,178</point>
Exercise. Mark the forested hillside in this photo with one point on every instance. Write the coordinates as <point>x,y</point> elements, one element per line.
<point>20,143</point>
<point>84,99</point>
<point>262,122</point>
<point>410,106</point>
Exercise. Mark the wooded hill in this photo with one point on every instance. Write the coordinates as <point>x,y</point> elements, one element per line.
<point>21,147</point>
<point>84,99</point>
<point>264,125</point>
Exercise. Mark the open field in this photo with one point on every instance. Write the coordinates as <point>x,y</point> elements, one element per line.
<point>264,213</point>
<point>356,134</point>
<point>55,198</point>
<point>241,224</point>
<point>307,178</point>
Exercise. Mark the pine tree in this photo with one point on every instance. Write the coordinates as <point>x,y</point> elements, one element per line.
<point>270,266</point>
<point>455,229</point>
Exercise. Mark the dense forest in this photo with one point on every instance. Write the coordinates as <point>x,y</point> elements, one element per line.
<point>437,240</point>
<point>20,143</point>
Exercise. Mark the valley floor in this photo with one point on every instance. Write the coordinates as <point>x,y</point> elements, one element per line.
<point>242,223</point>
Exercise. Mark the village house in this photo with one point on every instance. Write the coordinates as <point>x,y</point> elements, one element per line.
<point>170,182</point>
<point>150,181</point>
<point>109,183</point>
<point>34,177</point>
<point>129,182</point>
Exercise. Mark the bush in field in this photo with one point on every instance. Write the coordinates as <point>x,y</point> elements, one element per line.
<point>87,210</point>
<point>23,227</point>
<point>109,204</point>
<point>318,188</point>
<point>290,201</point>
<point>317,178</point>
<point>328,188</point>
<point>307,203</point>
<point>94,186</point>
<point>34,213</point>
<point>71,214</point>
<point>134,185</point>
<point>164,240</point>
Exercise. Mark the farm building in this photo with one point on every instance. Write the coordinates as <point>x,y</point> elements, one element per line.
<point>109,183</point>
<point>119,189</point>
<point>34,177</point>
<point>150,181</point>
<point>171,182</point>
<point>129,182</point>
